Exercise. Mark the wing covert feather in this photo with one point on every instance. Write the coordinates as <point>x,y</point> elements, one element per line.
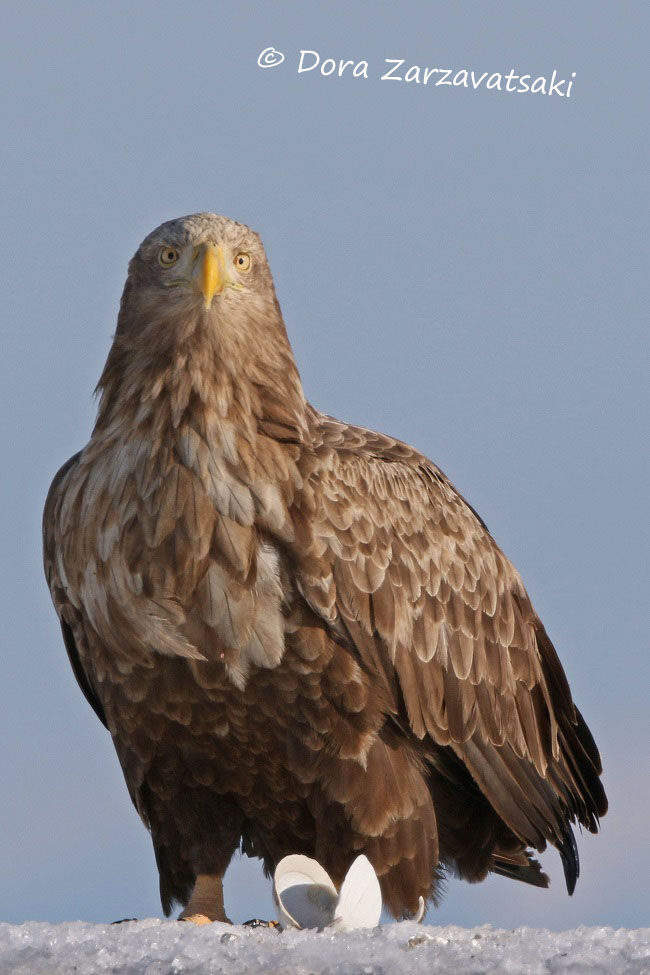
<point>414,566</point>
<point>425,592</point>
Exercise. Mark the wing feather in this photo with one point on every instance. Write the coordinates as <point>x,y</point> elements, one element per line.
<point>66,613</point>
<point>425,595</point>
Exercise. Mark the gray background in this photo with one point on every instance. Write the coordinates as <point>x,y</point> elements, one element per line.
<point>460,269</point>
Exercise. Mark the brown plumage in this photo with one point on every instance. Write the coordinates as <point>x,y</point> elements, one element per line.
<point>300,636</point>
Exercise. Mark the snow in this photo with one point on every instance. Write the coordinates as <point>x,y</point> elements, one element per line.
<point>155,947</point>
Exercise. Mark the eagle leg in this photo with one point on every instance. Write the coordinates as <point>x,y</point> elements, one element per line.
<point>206,903</point>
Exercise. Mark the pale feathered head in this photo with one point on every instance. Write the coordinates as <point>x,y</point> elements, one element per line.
<point>198,267</point>
<point>199,292</point>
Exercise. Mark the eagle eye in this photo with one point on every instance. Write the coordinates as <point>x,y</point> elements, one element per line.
<point>167,256</point>
<point>242,262</point>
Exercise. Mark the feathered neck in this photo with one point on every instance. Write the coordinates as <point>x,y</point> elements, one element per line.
<point>162,375</point>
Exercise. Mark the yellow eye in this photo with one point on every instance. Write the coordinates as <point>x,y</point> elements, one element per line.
<point>167,256</point>
<point>243,262</point>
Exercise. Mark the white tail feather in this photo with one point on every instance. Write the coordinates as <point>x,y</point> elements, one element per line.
<point>304,893</point>
<point>306,897</point>
<point>359,904</point>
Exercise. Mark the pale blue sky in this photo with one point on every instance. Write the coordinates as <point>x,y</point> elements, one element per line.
<point>462,269</point>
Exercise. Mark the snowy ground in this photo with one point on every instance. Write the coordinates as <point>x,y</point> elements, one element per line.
<point>156,947</point>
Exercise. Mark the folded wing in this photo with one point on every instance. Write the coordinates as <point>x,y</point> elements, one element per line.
<point>409,571</point>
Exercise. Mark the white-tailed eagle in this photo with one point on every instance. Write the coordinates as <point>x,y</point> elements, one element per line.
<point>301,638</point>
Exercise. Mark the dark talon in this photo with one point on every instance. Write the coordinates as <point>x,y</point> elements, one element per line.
<point>257,923</point>
<point>124,920</point>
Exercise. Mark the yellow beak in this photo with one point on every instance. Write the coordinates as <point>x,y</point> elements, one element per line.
<point>210,272</point>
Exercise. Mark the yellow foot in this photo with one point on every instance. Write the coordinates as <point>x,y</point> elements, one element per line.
<point>195,918</point>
